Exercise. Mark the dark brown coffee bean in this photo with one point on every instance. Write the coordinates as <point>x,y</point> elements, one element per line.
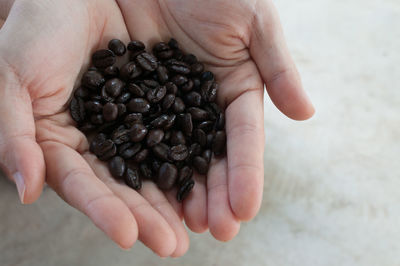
<point>128,150</point>
<point>196,83</point>
<point>197,68</point>
<point>200,164</point>
<point>147,61</point>
<point>117,47</point>
<point>178,153</point>
<point>77,109</point>
<point>171,88</point>
<point>86,127</point>
<point>210,140</point>
<point>103,58</point>
<point>185,174</point>
<point>193,99</point>
<point>209,91</point>
<point>186,123</point>
<point>194,150</point>
<point>139,105</point>
<point>167,175</point>
<point>178,67</point>
<point>121,109</point>
<point>145,170</point>
<point>198,114</point>
<point>178,106</point>
<point>96,142</point>
<point>81,92</point>
<point>168,101</point>
<point>167,136</point>
<point>133,118</point>
<point>163,51</point>
<point>95,97</point>
<point>154,137</point>
<point>220,122</point>
<point>124,97</point>
<point>206,126</point>
<point>93,106</point>
<point>184,190</point>
<point>132,178</point>
<point>135,90</point>
<point>120,135</point>
<point>110,112</point>
<point>140,156</point>
<point>117,166</point>
<point>190,59</point>
<point>200,137</point>
<point>151,83</point>
<point>162,74</point>
<point>173,44</point>
<point>104,95</point>
<point>170,122</point>
<point>107,150</point>
<point>114,87</point>
<point>207,76</point>
<point>219,142</point>
<point>179,80</point>
<point>130,71</point>
<point>207,155</point>
<point>155,165</point>
<point>155,111</point>
<point>97,119</point>
<point>157,94</point>
<point>160,121</point>
<point>177,138</point>
<point>165,54</point>
<point>161,151</point>
<point>178,55</point>
<point>111,71</point>
<point>135,46</point>
<point>93,80</point>
<point>138,132</point>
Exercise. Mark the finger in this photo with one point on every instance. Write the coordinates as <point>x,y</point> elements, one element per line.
<point>222,222</point>
<point>245,148</point>
<point>171,197</point>
<point>195,206</point>
<point>72,178</point>
<point>269,51</point>
<point>20,156</point>
<point>154,231</point>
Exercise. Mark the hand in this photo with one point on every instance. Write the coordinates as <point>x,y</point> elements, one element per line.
<point>242,43</point>
<point>44,46</point>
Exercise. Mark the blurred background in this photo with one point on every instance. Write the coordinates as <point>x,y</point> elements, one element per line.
<point>332,184</point>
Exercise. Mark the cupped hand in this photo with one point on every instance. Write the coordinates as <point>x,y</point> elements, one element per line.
<point>242,42</point>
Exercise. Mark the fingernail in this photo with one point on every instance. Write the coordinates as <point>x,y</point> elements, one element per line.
<point>19,181</point>
<point>126,249</point>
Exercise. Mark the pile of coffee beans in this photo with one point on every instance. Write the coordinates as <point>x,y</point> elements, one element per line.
<point>154,117</point>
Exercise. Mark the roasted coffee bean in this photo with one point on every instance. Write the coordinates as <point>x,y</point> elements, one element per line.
<point>121,109</point>
<point>140,156</point>
<point>138,132</point>
<point>219,142</point>
<point>145,170</point>
<point>190,59</point>
<point>207,155</point>
<point>198,114</point>
<point>161,151</point>
<point>128,150</point>
<point>177,138</point>
<point>178,106</point>
<point>193,99</point>
<point>93,80</point>
<point>114,87</point>
<point>135,46</point>
<point>124,97</point>
<point>206,126</point>
<point>160,121</point>
<point>135,90</point>
<point>154,137</point>
<point>144,88</point>
<point>179,80</point>
<point>171,88</point>
<point>186,123</point>
<point>179,67</point>
<point>96,142</point>
<point>167,136</point>
<point>147,61</point>
<point>220,122</point>
<point>120,135</point>
<point>185,174</point>
<point>173,44</point>
<point>155,111</point>
<point>178,55</point>
<point>170,122</point>
<point>97,119</point>
<point>133,118</point>
<point>194,150</point>
<point>188,86</point>
<point>178,153</point>
<point>168,101</point>
<point>87,127</point>
<point>151,83</point>
<point>117,166</point>
<point>77,109</point>
<point>196,68</point>
<point>167,175</point>
<point>132,178</point>
<point>106,150</point>
<point>117,47</point>
<point>111,71</point>
<point>81,92</point>
<point>110,112</point>
<point>155,165</point>
<point>163,51</point>
<point>210,140</point>
<point>200,137</point>
<point>206,76</point>
<point>196,83</point>
<point>157,94</point>
<point>93,106</point>
<point>200,164</point>
<point>162,74</point>
<point>161,46</point>
<point>130,71</point>
<point>103,58</point>
<point>139,105</point>
<point>95,97</point>
<point>209,91</point>
<point>184,190</point>
<point>104,95</point>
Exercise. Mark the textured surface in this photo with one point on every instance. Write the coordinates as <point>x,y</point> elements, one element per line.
<point>332,183</point>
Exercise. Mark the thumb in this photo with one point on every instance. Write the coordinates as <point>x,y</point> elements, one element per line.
<point>21,158</point>
<point>268,49</point>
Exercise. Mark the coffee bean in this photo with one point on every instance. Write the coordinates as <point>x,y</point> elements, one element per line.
<point>104,95</point>
<point>161,151</point>
<point>193,99</point>
<point>220,122</point>
<point>157,94</point>
<point>81,92</point>
<point>132,178</point>
<point>186,123</point>
<point>160,121</point>
<point>135,46</point>
<point>147,61</point>
<point>206,126</point>
<point>190,59</point>
<point>162,74</point>
<point>124,97</point>
<point>93,80</point>
<point>200,137</point>
<point>197,113</point>
<point>117,166</point>
<point>145,170</point>
<point>155,165</point>
<point>200,164</point>
<point>210,140</point>
<point>151,83</point>
<point>130,71</point>
<point>128,150</point>
<point>177,138</point>
<point>171,88</point>
<point>120,135</point>
<point>179,80</point>
<point>139,105</point>
<point>178,106</point>
<point>93,106</point>
<point>207,155</point>
<point>107,150</point>
<point>179,67</point>
<point>117,47</point>
<point>103,58</point>
<point>185,174</point>
<point>168,101</point>
<point>178,55</point>
<point>86,127</point>
<point>184,190</point>
<point>219,141</point>
<point>170,122</point>
<point>135,90</point>
<point>110,112</point>
<point>167,175</point>
<point>154,137</point>
<point>196,68</point>
<point>196,83</point>
<point>97,119</point>
<point>207,76</point>
<point>133,118</point>
<point>77,109</point>
<point>96,142</point>
<point>173,44</point>
<point>140,156</point>
<point>114,87</point>
<point>111,71</point>
<point>121,109</point>
<point>138,132</point>
<point>209,91</point>
<point>178,153</point>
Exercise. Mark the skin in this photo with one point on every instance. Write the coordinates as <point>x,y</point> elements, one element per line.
<point>46,45</point>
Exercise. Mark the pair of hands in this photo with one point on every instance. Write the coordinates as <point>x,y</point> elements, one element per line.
<point>45,45</point>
